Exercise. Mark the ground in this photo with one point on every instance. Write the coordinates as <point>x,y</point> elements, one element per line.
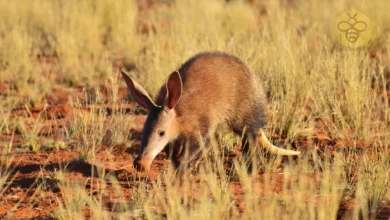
<point>69,131</point>
<point>33,191</point>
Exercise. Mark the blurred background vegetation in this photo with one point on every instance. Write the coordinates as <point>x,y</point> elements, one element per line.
<point>50,44</point>
<point>322,96</point>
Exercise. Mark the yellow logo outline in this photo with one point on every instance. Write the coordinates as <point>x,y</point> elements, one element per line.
<point>353,29</point>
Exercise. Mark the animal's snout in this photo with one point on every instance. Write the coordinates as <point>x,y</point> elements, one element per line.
<point>140,164</point>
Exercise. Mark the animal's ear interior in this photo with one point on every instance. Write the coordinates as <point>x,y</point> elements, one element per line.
<point>138,92</point>
<point>174,88</point>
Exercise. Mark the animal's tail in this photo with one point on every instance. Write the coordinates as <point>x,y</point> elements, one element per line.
<point>262,139</point>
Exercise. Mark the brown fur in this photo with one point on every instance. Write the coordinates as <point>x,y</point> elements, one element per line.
<point>217,87</point>
<point>208,89</point>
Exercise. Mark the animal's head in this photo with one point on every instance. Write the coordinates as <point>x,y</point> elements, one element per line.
<point>159,128</point>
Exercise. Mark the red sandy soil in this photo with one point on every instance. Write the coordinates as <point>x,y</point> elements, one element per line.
<point>32,171</point>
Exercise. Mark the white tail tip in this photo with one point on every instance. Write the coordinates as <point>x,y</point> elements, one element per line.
<point>262,139</point>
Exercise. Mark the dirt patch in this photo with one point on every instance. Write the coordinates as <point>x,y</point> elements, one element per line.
<point>35,187</point>
<point>33,190</point>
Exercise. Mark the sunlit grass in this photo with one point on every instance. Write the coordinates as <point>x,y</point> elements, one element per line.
<point>316,89</point>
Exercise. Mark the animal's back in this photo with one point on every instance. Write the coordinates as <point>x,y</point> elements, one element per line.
<point>218,87</point>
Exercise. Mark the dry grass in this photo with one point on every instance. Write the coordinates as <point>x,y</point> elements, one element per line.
<point>325,99</point>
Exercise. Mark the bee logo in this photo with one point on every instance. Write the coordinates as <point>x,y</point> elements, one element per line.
<point>352,28</point>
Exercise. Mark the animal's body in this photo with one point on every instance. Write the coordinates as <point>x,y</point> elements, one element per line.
<point>208,89</point>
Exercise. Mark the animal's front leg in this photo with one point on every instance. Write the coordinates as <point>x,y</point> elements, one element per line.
<point>175,151</point>
<point>194,151</point>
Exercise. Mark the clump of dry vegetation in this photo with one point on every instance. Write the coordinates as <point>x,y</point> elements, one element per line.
<point>69,132</point>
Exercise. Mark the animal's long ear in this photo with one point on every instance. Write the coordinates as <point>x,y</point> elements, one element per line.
<point>138,93</point>
<point>174,87</point>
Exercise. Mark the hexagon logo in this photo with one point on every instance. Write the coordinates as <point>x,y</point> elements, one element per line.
<point>353,29</point>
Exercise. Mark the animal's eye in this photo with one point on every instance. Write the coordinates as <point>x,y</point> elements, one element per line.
<point>161,133</point>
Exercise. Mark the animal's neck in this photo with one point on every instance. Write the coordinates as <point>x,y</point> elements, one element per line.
<point>177,125</point>
<point>187,125</point>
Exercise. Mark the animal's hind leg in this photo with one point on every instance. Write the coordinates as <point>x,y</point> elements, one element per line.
<point>248,137</point>
<point>248,146</point>
<point>245,143</point>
